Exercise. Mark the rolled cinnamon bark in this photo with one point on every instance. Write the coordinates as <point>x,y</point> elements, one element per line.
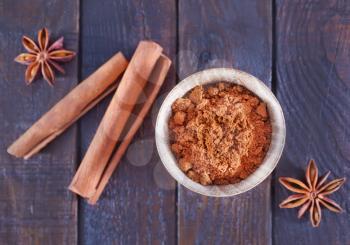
<point>100,150</point>
<point>158,76</point>
<point>70,108</point>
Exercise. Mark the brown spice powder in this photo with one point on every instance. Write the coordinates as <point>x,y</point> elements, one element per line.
<point>219,134</point>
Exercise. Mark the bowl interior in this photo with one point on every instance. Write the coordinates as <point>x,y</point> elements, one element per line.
<point>213,76</point>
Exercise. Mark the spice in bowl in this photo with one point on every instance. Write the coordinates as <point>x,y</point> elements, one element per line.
<point>220,133</point>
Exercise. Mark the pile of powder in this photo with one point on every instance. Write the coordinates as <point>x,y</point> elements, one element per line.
<point>219,134</point>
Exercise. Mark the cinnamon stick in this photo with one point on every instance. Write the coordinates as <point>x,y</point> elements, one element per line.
<point>81,99</point>
<point>158,76</point>
<point>134,80</point>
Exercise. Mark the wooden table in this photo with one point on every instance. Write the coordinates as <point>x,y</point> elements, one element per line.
<point>300,48</point>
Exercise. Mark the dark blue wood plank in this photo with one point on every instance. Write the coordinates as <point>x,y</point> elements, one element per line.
<point>136,207</point>
<point>225,34</point>
<point>313,60</point>
<point>35,206</point>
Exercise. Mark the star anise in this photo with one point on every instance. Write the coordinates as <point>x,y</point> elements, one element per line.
<point>43,57</point>
<point>311,195</point>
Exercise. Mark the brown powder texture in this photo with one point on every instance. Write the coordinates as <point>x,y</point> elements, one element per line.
<point>220,134</point>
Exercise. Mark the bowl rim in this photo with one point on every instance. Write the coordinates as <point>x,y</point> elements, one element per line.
<point>180,84</point>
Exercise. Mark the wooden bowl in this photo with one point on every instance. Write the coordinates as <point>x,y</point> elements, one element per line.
<point>212,76</point>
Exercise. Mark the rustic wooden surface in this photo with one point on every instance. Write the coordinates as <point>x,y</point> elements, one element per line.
<point>35,206</point>
<point>313,82</point>
<point>301,48</point>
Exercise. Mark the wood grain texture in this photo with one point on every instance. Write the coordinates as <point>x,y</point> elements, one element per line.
<point>35,206</point>
<point>225,34</point>
<point>138,205</point>
<point>313,60</point>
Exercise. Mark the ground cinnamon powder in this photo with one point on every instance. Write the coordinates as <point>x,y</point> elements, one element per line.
<point>220,134</point>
